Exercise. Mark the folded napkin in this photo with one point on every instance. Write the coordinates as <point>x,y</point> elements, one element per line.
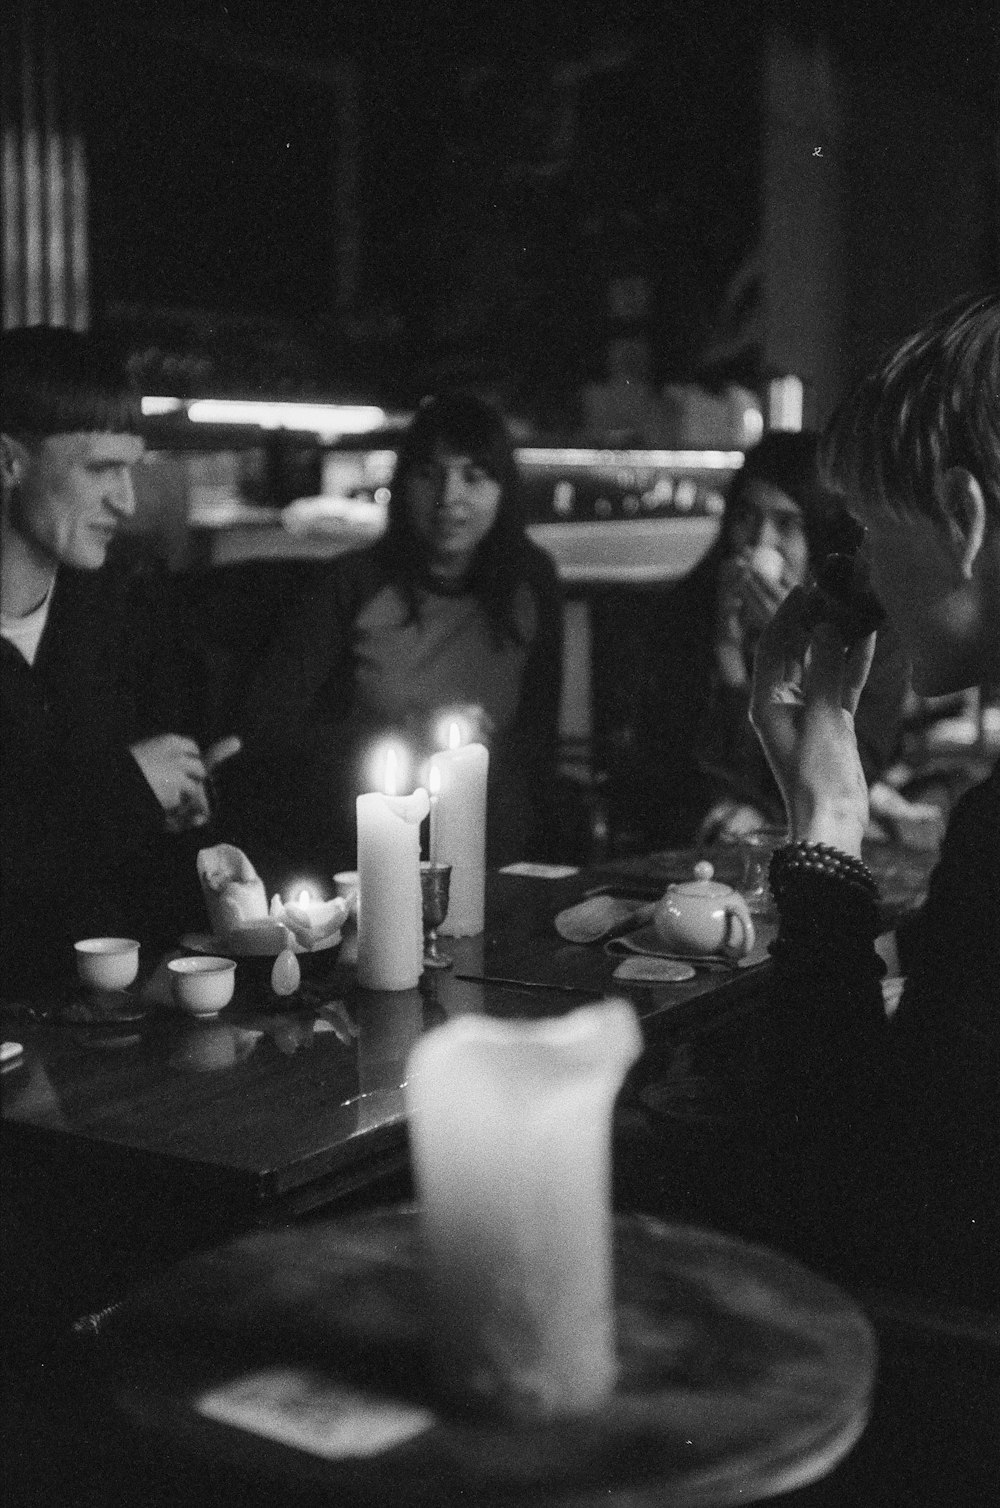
<point>233,890</point>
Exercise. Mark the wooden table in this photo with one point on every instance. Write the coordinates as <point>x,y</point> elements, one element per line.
<point>135,1145</point>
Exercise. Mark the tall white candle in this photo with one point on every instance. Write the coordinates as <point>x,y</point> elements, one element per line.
<point>460,833</point>
<point>390,925</point>
<point>510,1125</point>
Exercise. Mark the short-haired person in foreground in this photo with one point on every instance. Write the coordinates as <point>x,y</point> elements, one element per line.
<point>876,1142</point>
<point>98,759</point>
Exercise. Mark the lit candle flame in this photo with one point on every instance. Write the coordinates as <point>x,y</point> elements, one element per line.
<point>454,736</point>
<point>304,898</point>
<point>390,780</point>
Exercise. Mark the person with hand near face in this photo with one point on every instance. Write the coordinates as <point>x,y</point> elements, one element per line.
<point>913,1103</point>
<point>452,615</point>
<point>693,770</point>
<point>95,768</point>
<point>864,1138</point>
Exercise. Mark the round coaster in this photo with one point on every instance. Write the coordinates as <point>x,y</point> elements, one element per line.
<point>741,1373</point>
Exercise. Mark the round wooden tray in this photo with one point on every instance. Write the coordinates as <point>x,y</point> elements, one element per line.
<point>742,1373</point>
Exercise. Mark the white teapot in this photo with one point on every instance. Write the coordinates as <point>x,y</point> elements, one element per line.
<point>704,917</point>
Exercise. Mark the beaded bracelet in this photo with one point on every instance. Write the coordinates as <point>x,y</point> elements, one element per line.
<point>820,859</point>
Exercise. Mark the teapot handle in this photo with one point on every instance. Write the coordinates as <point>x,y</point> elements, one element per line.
<point>736,908</point>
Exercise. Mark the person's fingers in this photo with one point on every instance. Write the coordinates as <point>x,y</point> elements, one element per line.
<point>823,680</point>
<point>856,669</point>
<point>189,773</point>
<point>177,746</point>
<point>779,657</point>
<point>835,675</point>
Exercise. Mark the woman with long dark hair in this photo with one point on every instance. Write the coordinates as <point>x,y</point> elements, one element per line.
<point>692,769</point>
<point>452,615</point>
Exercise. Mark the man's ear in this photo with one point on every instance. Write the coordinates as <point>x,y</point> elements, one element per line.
<point>965,511</point>
<point>13,460</point>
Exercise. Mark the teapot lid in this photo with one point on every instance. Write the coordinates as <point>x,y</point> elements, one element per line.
<point>703,883</point>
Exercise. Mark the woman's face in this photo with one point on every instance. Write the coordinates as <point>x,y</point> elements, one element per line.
<point>452,505</point>
<point>767,518</point>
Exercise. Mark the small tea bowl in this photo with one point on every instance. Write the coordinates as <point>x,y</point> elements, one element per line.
<point>202,985</point>
<point>107,963</point>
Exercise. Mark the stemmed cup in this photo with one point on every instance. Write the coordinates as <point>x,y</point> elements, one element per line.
<point>435,882</point>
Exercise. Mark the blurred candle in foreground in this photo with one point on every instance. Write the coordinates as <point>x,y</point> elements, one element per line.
<point>510,1125</point>
<point>459,836</point>
<point>390,925</point>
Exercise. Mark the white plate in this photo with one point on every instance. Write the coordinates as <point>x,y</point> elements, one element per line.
<point>228,947</point>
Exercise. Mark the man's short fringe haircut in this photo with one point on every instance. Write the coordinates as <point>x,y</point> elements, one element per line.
<point>932,404</point>
<point>56,381</point>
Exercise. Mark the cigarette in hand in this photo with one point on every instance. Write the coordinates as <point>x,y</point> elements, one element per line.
<point>220,751</point>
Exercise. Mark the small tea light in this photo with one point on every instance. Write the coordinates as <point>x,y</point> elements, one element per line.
<point>202,986</point>
<point>107,963</point>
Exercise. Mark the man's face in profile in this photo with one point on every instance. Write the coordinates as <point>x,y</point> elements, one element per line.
<point>74,492</point>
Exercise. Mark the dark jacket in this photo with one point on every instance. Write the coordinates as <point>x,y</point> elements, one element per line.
<point>289,799</point>
<point>867,1145</point>
<point>84,849</point>
<point>690,743</point>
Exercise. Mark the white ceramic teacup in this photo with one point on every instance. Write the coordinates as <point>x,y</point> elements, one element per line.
<point>203,985</point>
<point>345,885</point>
<point>107,963</point>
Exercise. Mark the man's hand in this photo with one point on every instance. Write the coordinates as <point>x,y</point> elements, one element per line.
<point>175,773</point>
<point>805,693</point>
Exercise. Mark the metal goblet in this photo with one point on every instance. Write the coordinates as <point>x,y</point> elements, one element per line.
<point>435,880</point>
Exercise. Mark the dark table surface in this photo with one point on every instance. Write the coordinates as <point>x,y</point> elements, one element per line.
<point>284,1104</point>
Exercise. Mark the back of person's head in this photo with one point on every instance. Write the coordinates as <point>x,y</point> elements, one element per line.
<point>932,404</point>
<point>789,461</point>
<point>56,381</point>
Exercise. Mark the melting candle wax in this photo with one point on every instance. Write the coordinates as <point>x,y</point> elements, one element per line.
<point>510,1124</point>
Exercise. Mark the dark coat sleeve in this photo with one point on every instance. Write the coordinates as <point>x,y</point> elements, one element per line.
<point>85,850</point>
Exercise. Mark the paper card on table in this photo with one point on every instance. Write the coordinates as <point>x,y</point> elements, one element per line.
<point>307,1410</point>
<point>636,970</point>
<point>541,871</point>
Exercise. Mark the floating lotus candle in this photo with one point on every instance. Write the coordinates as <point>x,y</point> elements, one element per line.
<point>312,921</point>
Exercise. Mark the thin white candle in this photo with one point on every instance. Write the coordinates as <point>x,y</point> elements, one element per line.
<point>510,1125</point>
<point>460,832</point>
<point>434,792</point>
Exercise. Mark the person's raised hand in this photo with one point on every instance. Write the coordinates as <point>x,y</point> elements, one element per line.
<point>805,693</point>
<point>762,596</point>
<point>175,772</point>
